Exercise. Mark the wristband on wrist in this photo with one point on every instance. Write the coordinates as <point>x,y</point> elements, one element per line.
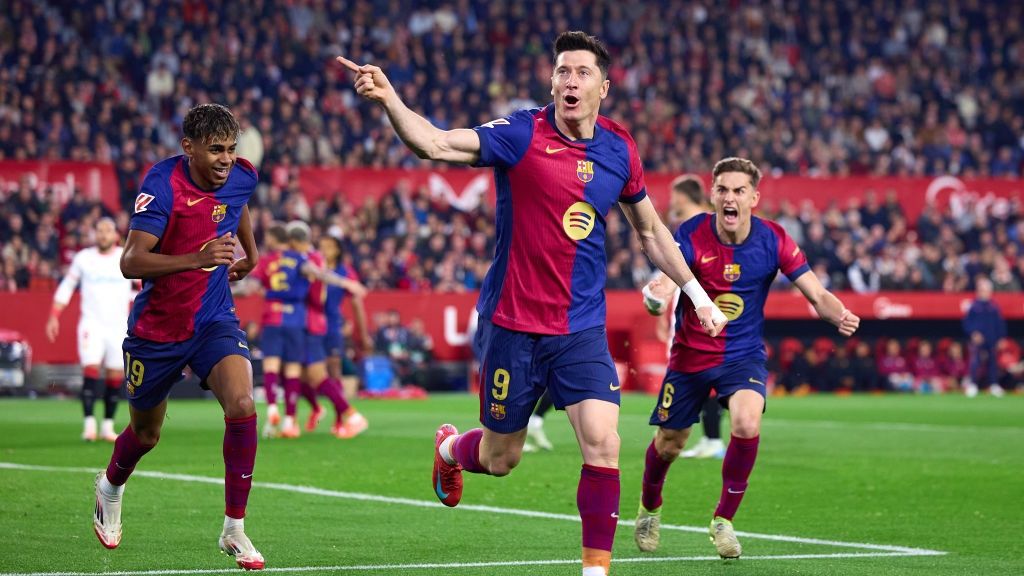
<point>695,292</point>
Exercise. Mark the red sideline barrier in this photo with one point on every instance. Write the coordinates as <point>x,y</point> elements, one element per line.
<point>93,179</point>
<point>464,189</point>
<point>446,317</point>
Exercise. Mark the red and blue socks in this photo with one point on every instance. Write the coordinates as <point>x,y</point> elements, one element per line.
<point>655,470</point>
<point>736,468</point>
<point>597,498</point>
<point>239,460</point>
<point>128,450</point>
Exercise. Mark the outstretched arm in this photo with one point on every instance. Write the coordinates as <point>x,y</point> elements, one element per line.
<point>825,303</point>
<point>327,277</point>
<point>661,248</point>
<point>139,261</point>
<point>460,146</point>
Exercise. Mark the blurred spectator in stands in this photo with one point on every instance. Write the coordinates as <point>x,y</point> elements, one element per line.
<point>985,326</point>
<point>955,367</point>
<point>894,369</point>
<point>840,373</point>
<point>421,352</point>
<point>865,369</point>
<point>926,369</point>
<point>393,341</point>
<point>805,374</point>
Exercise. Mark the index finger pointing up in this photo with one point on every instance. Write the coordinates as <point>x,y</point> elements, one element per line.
<point>347,63</point>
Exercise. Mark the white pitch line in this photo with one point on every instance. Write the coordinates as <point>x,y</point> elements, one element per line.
<point>893,550</point>
<point>453,565</point>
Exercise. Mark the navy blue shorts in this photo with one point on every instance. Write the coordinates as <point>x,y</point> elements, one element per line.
<point>315,351</point>
<point>516,368</point>
<point>334,343</point>
<point>284,342</point>
<point>151,368</point>
<point>683,395</point>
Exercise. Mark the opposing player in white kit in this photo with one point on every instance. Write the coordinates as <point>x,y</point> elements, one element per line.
<point>106,297</point>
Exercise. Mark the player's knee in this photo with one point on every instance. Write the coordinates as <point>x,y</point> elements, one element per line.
<point>746,426</point>
<point>602,446</point>
<point>148,436</point>
<point>670,443</point>
<point>503,465</point>
<point>240,407</point>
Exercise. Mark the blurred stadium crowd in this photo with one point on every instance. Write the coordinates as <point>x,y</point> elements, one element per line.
<point>817,88</point>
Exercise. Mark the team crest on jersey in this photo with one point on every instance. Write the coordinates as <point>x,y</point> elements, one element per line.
<point>497,411</point>
<point>731,272</point>
<point>730,304</point>
<point>578,220</point>
<point>141,201</point>
<point>585,170</point>
<point>220,211</point>
<point>662,414</point>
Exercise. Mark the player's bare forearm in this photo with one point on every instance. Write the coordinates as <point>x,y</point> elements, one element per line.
<point>139,261</point>
<point>359,312</point>
<point>428,141</point>
<point>826,304</point>
<point>664,253</point>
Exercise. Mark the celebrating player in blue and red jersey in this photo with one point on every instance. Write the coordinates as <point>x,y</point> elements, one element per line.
<point>348,422</point>
<point>558,171</point>
<point>736,256</point>
<point>189,217</point>
<point>285,288</point>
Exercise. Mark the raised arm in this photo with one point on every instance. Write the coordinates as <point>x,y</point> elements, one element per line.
<point>460,146</point>
<point>327,277</point>
<point>139,261</point>
<point>825,303</point>
<point>661,248</point>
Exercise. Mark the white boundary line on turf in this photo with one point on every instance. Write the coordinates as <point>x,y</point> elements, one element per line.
<point>891,426</point>
<point>890,550</point>
<point>434,566</point>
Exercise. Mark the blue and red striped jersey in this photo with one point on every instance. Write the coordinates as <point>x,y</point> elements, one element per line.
<point>737,277</point>
<point>553,195</point>
<point>335,298</point>
<point>285,288</point>
<point>316,299</point>
<point>185,218</point>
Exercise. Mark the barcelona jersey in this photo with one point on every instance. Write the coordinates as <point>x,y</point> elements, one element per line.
<point>553,195</point>
<point>737,277</point>
<point>185,218</point>
<point>285,288</point>
<point>316,299</point>
<point>334,299</point>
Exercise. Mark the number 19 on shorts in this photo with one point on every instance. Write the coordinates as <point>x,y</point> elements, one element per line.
<point>134,372</point>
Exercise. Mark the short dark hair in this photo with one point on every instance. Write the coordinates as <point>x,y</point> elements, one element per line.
<point>738,165</point>
<point>278,232</point>
<point>578,40</point>
<point>208,122</point>
<point>692,187</point>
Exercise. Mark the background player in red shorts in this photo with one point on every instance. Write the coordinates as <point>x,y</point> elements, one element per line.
<point>190,216</point>
<point>736,256</point>
<point>558,171</point>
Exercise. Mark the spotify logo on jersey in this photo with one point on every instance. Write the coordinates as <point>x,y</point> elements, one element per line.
<point>578,220</point>
<point>730,304</point>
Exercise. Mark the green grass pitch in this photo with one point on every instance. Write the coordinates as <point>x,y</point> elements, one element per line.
<point>942,474</point>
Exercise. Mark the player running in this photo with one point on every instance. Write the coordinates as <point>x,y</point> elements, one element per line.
<point>189,218</point>
<point>558,172</point>
<point>736,256</point>
<point>348,422</point>
<point>334,343</point>
<point>106,297</point>
<point>689,199</point>
<point>283,325</point>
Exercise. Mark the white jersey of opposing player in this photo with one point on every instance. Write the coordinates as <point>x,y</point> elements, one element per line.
<point>106,299</point>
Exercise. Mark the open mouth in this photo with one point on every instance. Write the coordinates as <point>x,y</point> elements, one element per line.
<point>730,215</point>
<point>571,101</point>
<point>221,172</point>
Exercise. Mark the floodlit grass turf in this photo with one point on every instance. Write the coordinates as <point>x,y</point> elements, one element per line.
<point>943,473</point>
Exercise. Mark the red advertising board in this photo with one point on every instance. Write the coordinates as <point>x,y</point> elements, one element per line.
<point>446,316</point>
<point>93,179</point>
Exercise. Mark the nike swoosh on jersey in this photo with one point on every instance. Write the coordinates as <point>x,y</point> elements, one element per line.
<point>192,202</point>
<point>706,259</point>
<point>613,387</point>
<point>551,150</point>
<point>752,381</point>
